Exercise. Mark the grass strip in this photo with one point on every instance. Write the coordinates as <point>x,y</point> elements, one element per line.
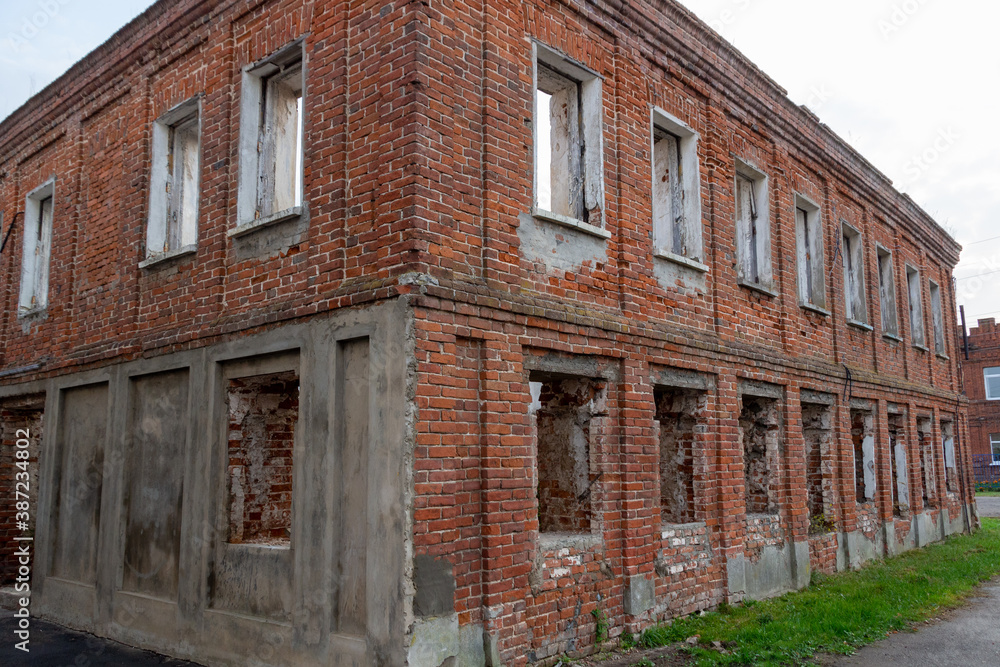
<point>842,612</point>
<point>988,494</point>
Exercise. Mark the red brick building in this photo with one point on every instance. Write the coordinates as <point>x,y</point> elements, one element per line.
<point>981,375</point>
<point>367,333</point>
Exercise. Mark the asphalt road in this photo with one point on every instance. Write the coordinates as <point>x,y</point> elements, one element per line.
<point>54,646</point>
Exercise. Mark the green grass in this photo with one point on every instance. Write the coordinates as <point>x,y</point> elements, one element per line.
<point>988,494</point>
<point>842,612</point>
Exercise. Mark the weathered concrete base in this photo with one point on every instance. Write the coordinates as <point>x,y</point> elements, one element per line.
<point>777,571</point>
<point>859,549</point>
<point>332,593</point>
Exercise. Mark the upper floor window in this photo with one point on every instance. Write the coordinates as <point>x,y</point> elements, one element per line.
<point>916,307</point>
<point>569,170</point>
<point>937,318</point>
<point>992,377</point>
<point>753,228</point>
<point>36,248</point>
<point>677,226</point>
<point>174,181</point>
<point>887,293</point>
<point>855,303</point>
<point>809,248</point>
<point>271,138</point>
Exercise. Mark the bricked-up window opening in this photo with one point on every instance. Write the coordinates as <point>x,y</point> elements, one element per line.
<point>991,376</point>
<point>995,447</point>
<point>817,429</point>
<point>928,470</point>
<point>916,307</point>
<point>753,234</point>
<point>677,227</point>
<point>863,439</point>
<point>174,181</point>
<point>809,238</point>
<point>563,410</point>
<point>937,318</point>
<point>271,137</point>
<point>20,430</point>
<point>760,431</point>
<point>678,412</point>
<point>898,465</point>
<point>856,308</point>
<point>36,248</point>
<point>263,412</point>
<point>948,447</point>
<point>569,169</point>
<point>887,293</point>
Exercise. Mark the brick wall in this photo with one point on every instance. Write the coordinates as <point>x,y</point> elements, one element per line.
<point>984,415</point>
<point>418,184</point>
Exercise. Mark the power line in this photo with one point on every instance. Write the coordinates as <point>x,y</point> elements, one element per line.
<point>978,275</point>
<point>992,238</point>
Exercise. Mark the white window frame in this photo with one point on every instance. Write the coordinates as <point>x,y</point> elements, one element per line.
<point>810,259</point>
<point>753,234</point>
<point>853,258</point>
<point>36,248</point>
<point>987,374</point>
<point>914,289</point>
<point>175,185</point>
<point>994,446</point>
<point>583,207</point>
<point>887,292</point>
<point>267,154</point>
<point>937,318</point>
<point>677,225</point>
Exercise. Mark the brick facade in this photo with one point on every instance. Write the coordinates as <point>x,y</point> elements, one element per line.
<point>538,367</point>
<point>984,415</point>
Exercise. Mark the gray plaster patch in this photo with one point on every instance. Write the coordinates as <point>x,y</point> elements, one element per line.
<point>435,586</point>
<point>434,641</point>
<point>640,595</point>
<point>553,248</point>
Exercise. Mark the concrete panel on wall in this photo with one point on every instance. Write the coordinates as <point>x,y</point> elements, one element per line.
<point>154,472</point>
<point>353,391</point>
<point>80,444</point>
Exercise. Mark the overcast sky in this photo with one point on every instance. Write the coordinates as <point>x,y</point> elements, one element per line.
<point>912,84</point>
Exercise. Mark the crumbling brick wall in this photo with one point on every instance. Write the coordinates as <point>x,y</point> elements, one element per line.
<point>20,423</point>
<point>263,411</point>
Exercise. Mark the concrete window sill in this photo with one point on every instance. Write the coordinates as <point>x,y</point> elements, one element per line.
<point>758,287</point>
<point>572,223</point>
<point>553,541</point>
<point>942,356</point>
<point>245,228</point>
<point>815,309</point>
<point>892,337</point>
<point>860,325</point>
<point>917,346</point>
<point>164,257</point>
<point>32,313</point>
<point>680,260</point>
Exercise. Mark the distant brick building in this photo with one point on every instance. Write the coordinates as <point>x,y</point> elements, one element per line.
<point>981,374</point>
<point>407,333</point>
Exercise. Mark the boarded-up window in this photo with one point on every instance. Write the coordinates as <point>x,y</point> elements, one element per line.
<point>569,178</point>
<point>855,305</point>
<point>677,227</point>
<point>916,307</point>
<point>863,438</point>
<point>174,181</point>
<point>898,465</point>
<point>809,247</point>
<point>937,316</point>
<point>753,235</point>
<point>928,469</point>
<point>36,249</point>
<point>887,293</point>
<point>948,450</point>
